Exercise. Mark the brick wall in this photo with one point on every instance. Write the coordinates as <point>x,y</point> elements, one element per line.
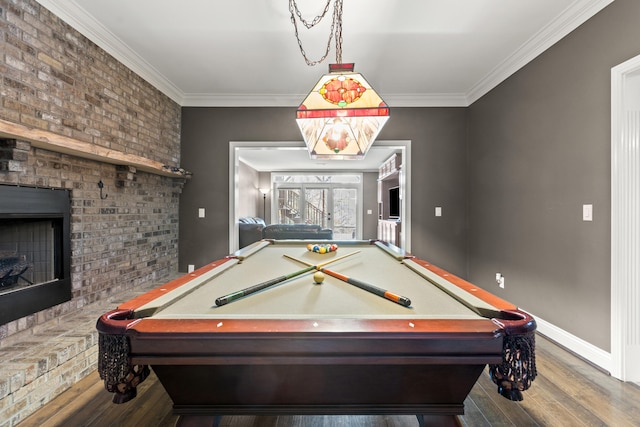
<point>54,79</point>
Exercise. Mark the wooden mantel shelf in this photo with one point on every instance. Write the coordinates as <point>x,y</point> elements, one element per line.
<point>53,142</point>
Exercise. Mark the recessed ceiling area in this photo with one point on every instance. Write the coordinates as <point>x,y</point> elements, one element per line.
<point>274,158</point>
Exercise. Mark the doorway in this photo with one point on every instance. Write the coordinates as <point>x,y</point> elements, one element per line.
<point>276,150</point>
<point>625,220</point>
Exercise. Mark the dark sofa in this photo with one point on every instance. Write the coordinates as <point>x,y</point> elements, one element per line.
<point>252,229</point>
<point>296,231</point>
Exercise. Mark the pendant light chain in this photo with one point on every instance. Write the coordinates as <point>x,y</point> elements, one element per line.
<point>336,26</point>
<point>316,20</point>
<point>338,19</point>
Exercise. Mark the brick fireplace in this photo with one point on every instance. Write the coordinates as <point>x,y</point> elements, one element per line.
<point>85,243</point>
<point>35,250</point>
<point>69,123</point>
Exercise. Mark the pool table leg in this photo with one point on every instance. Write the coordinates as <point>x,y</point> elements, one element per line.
<point>199,421</point>
<point>438,421</point>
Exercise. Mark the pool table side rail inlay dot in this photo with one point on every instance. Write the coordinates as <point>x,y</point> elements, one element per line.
<point>472,289</point>
<point>508,316</point>
<point>297,328</point>
<point>469,299</point>
<point>147,304</point>
<point>518,368</point>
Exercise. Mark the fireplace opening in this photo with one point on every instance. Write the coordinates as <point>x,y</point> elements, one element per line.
<point>34,250</point>
<point>29,252</point>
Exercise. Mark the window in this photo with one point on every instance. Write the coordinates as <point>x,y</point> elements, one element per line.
<point>330,201</point>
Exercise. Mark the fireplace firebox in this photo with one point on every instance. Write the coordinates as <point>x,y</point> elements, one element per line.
<point>35,250</point>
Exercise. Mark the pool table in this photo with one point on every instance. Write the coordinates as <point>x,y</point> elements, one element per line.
<point>301,347</point>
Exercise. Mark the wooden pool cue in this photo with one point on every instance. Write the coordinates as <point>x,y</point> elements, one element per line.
<point>399,299</point>
<point>255,288</point>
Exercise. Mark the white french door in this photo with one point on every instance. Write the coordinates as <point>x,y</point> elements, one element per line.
<point>346,221</point>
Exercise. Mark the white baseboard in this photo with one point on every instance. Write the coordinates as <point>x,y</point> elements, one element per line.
<point>587,351</point>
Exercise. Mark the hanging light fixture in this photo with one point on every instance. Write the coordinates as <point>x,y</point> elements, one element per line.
<point>342,115</point>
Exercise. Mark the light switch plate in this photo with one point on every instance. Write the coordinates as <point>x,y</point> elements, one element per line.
<point>587,212</point>
<point>438,211</point>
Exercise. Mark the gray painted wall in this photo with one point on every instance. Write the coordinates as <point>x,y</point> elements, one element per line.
<point>539,148</point>
<point>438,176</point>
<point>205,147</point>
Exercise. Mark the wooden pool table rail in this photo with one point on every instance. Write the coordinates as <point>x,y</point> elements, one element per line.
<point>130,340</point>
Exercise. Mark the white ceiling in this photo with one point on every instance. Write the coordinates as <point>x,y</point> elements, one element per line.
<point>244,52</point>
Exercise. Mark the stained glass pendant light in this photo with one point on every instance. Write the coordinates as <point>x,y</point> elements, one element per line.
<point>342,115</point>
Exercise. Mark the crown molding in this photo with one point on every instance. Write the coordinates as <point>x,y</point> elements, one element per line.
<point>572,17</point>
<point>70,12</point>
<point>575,15</point>
<point>286,100</point>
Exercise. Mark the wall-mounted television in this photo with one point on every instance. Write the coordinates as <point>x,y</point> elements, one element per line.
<point>394,202</point>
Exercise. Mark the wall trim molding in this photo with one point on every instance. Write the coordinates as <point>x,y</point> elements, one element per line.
<point>574,16</point>
<point>585,350</point>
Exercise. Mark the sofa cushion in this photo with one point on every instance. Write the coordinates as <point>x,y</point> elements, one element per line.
<point>296,232</point>
<point>252,220</point>
<point>249,230</point>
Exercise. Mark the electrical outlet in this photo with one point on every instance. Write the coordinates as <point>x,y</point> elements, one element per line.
<point>500,280</point>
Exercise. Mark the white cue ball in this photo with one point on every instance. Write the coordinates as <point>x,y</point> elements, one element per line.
<point>318,277</point>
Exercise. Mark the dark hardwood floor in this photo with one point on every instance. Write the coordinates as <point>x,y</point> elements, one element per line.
<point>567,392</point>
